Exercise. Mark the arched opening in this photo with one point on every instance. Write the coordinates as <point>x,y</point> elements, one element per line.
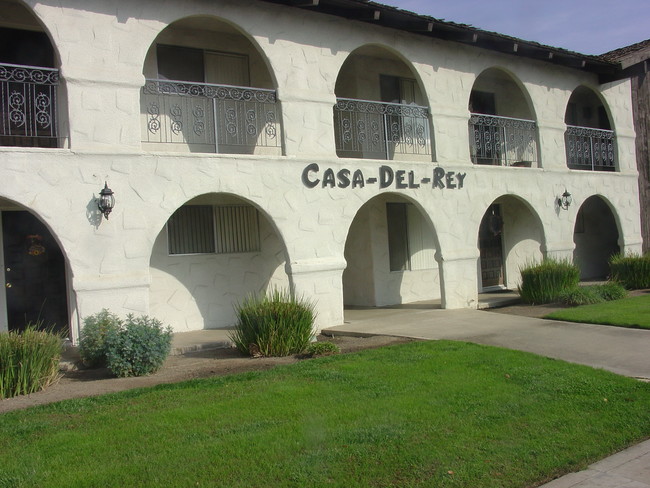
<point>391,255</point>
<point>214,251</point>
<point>35,272</point>
<point>510,235</point>
<point>595,235</point>
<point>589,139</point>
<point>502,127</point>
<point>381,110</point>
<point>29,80</point>
<point>208,89</point>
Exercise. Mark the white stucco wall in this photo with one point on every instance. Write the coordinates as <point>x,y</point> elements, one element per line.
<point>120,263</point>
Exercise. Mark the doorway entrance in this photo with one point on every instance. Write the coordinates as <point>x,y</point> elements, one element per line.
<point>491,248</point>
<point>34,271</point>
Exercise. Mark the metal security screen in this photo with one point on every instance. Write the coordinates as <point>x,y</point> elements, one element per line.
<point>191,230</point>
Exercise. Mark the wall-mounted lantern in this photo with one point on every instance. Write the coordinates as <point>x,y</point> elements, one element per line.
<point>106,201</point>
<point>564,201</point>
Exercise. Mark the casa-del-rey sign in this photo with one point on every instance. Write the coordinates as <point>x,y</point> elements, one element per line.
<point>386,177</point>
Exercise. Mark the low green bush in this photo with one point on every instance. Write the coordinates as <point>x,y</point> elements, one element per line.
<point>29,361</point>
<point>273,324</point>
<point>324,348</point>
<point>611,291</point>
<point>631,270</point>
<point>588,295</point>
<point>138,347</point>
<point>580,295</point>
<point>92,341</point>
<point>544,282</point>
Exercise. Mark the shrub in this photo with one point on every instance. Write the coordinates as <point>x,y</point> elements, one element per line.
<point>138,347</point>
<point>580,295</point>
<point>544,282</point>
<point>273,324</point>
<point>29,361</point>
<point>611,291</point>
<point>324,348</point>
<point>632,271</point>
<point>92,341</point>
<point>587,295</point>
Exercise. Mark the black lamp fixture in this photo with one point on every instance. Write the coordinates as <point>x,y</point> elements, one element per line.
<point>106,201</point>
<point>564,202</point>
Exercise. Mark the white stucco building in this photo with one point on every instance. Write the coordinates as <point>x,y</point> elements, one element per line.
<point>359,154</point>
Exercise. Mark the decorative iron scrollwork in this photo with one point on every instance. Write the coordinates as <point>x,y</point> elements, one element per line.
<point>375,129</point>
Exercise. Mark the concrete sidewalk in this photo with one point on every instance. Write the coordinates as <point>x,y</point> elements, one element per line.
<point>622,351</point>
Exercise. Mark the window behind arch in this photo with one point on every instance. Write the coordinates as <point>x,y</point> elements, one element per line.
<point>213,229</point>
<point>411,244</point>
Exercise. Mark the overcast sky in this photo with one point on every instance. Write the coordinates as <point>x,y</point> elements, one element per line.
<point>585,26</point>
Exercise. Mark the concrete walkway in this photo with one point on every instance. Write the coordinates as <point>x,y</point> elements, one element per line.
<point>622,351</point>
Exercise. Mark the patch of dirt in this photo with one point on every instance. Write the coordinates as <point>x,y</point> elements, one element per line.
<point>202,364</point>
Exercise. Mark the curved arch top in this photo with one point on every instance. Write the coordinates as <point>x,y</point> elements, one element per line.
<point>382,108</point>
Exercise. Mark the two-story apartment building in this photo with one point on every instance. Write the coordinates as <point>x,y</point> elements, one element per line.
<point>354,152</point>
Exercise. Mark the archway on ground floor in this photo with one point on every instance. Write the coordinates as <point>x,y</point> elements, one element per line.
<point>391,254</point>
<point>214,250</point>
<point>35,273</point>
<point>510,235</point>
<point>596,236</point>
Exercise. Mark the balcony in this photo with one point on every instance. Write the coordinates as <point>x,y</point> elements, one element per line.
<point>590,149</point>
<point>202,117</point>
<point>377,130</point>
<point>28,106</point>
<point>502,141</point>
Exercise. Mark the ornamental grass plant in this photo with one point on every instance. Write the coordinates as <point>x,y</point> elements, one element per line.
<point>631,270</point>
<point>29,360</point>
<point>544,282</point>
<point>273,324</point>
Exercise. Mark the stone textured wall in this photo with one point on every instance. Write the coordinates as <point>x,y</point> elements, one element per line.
<point>114,264</point>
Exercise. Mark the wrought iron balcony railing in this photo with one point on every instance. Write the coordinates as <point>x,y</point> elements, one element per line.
<point>590,149</point>
<point>202,117</point>
<point>502,141</point>
<point>28,106</point>
<point>377,130</point>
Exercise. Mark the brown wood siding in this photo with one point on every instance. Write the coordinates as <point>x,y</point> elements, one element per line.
<point>641,108</point>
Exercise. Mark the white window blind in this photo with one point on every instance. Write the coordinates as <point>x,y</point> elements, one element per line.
<point>411,242</point>
<point>237,229</point>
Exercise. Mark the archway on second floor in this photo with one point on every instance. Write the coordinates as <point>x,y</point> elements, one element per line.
<point>596,238</point>
<point>209,89</point>
<point>30,95</point>
<point>502,127</point>
<point>381,110</point>
<point>589,139</point>
<point>391,253</point>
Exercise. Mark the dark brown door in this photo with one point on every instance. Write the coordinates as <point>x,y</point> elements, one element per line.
<point>491,247</point>
<point>34,272</point>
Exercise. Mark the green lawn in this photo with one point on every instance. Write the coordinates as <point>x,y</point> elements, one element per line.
<point>628,312</point>
<point>435,414</point>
